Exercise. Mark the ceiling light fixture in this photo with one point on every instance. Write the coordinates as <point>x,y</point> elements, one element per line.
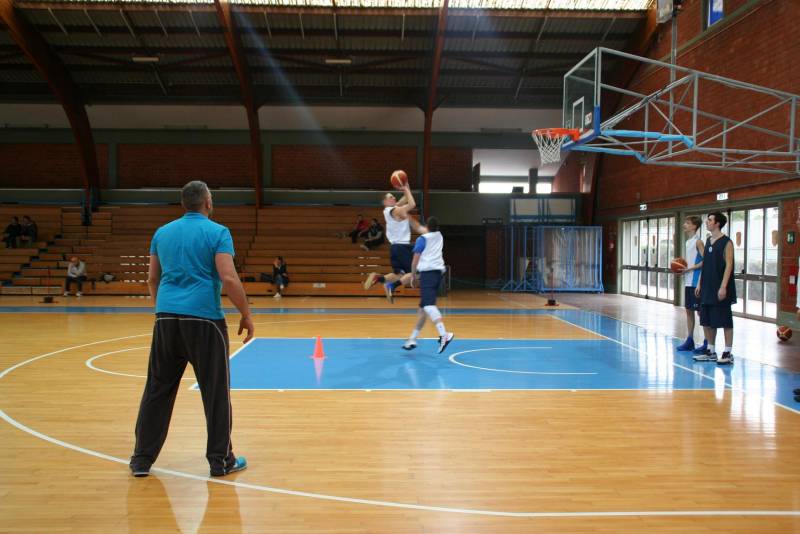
<point>145,59</point>
<point>338,61</point>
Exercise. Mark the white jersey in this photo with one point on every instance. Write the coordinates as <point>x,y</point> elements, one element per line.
<point>397,232</point>
<point>431,258</point>
<point>692,257</point>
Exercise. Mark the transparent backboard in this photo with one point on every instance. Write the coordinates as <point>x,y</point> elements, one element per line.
<point>677,116</point>
<point>581,96</point>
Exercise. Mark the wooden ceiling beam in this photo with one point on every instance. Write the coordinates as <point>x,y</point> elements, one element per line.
<point>227,21</point>
<point>61,84</point>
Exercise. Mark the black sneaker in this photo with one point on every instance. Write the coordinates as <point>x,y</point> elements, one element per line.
<point>444,341</point>
<point>239,465</point>
<point>725,359</point>
<point>707,356</point>
<point>140,470</point>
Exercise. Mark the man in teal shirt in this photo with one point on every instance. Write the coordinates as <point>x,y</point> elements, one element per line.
<point>191,260</point>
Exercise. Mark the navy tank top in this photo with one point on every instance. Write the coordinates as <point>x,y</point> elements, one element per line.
<point>713,271</point>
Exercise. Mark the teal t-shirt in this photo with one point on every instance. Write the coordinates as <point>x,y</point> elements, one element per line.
<point>190,284</point>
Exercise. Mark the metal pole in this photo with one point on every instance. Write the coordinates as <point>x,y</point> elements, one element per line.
<point>793,112</point>
<point>695,98</point>
<point>673,59</point>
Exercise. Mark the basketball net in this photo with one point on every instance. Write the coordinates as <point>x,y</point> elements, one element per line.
<point>550,140</point>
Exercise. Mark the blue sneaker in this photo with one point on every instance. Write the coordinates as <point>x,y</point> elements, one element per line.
<point>388,287</point>
<point>702,348</point>
<point>686,345</point>
<point>239,465</point>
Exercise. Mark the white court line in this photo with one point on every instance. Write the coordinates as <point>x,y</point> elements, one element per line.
<point>665,389</point>
<point>13,422</point>
<point>90,363</point>
<point>391,504</point>
<point>452,358</point>
<point>674,363</point>
<point>44,437</point>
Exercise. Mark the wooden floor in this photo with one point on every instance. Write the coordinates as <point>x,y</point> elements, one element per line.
<point>409,461</point>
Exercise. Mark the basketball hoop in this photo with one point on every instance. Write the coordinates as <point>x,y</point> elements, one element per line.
<point>550,141</point>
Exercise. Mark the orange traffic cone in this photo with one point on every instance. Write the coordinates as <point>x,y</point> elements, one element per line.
<point>319,359</point>
<point>319,353</point>
<point>319,363</point>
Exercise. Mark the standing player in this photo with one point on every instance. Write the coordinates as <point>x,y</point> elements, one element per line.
<point>428,264</point>
<point>797,281</point>
<point>398,232</point>
<point>191,259</point>
<point>717,290</point>
<point>691,275</point>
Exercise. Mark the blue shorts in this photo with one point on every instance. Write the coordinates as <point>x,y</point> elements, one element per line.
<point>690,302</point>
<point>429,282</point>
<point>401,256</point>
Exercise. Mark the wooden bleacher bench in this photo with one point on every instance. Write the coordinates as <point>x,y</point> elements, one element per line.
<point>47,218</point>
<point>320,263</point>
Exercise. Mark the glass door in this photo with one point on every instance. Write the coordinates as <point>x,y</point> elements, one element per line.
<point>755,237</point>
<point>648,245</point>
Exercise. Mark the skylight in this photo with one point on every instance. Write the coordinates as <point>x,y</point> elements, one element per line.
<point>485,5</point>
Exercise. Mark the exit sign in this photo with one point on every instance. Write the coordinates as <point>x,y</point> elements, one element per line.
<point>722,196</point>
<point>642,207</point>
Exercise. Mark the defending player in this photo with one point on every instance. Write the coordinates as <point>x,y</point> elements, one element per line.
<point>427,267</point>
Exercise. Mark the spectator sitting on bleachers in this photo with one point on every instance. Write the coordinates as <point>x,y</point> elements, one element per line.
<point>374,237</point>
<point>279,276</point>
<point>29,232</point>
<point>13,231</point>
<point>76,272</point>
<point>360,229</point>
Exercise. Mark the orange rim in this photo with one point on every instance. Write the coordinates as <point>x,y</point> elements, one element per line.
<point>573,133</point>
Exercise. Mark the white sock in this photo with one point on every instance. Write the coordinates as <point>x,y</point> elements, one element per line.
<point>440,328</point>
<point>711,349</point>
<point>414,335</point>
<point>728,349</point>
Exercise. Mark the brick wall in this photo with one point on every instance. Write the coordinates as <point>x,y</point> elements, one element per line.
<point>43,166</point>
<point>464,252</point>
<point>141,165</point>
<point>366,167</point>
<point>759,47</point>
<point>789,255</point>
<point>343,167</point>
<point>495,252</point>
<point>451,168</point>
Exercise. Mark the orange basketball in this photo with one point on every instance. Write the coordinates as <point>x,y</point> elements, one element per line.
<point>784,333</point>
<point>678,265</point>
<point>399,179</point>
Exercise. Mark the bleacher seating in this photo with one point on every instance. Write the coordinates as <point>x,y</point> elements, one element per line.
<point>117,242</point>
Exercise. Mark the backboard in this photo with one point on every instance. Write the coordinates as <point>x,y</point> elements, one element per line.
<point>581,97</point>
<point>676,116</point>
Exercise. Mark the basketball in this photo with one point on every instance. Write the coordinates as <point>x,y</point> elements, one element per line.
<point>678,265</point>
<point>399,179</point>
<point>784,333</point>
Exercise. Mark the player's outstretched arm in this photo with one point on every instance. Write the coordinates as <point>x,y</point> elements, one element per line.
<point>416,227</point>
<point>405,205</point>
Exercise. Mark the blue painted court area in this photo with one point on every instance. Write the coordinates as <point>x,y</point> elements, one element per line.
<point>623,356</point>
<point>278,363</point>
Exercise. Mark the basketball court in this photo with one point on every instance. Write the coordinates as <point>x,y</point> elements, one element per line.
<point>564,403</point>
